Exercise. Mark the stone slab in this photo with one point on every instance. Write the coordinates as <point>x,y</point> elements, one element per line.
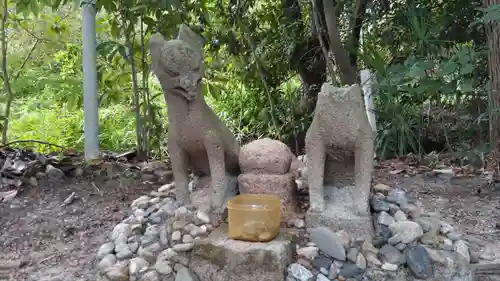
<point>219,258</point>
<point>340,214</point>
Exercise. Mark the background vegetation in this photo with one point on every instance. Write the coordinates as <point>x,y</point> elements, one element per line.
<point>265,63</point>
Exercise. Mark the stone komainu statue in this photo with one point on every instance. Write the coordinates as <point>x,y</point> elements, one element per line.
<point>196,137</point>
<point>340,150</point>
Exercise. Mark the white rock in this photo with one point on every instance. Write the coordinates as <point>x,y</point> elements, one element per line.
<point>407,231</point>
<point>400,216</point>
<point>322,277</point>
<point>121,239</point>
<point>137,266</point>
<point>106,248</point>
<point>123,252</point>
<point>141,202</point>
<point>117,272</point>
<point>179,224</point>
<point>345,238</point>
<point>447,244</point>
<point>203,217</point>
<point>462,249</point>
<point>380,187</point>
<point>121,228</point>
<point>334,271</point>
<point>163,268</point>
<point>189,227</point>
<point>385,219</point>
<point>140,213</point>
<point>372,259</point>
<point>181,213</point>
<point>389,267</point>
<point>299,223</point>
<point>361,261</point>
<point>309,253</point>
<point>368,247</point>
<point>299,272</point>
<point>166,187</point>
<point>154,201</point>
<point>149,276</point>
<point>445,227</point>
<point>300,183</point>
<point>186,238</point>
<point>352,254</point>
<point>185,274</point>
<point>197,231</point>
<point>107,261</point>
<point>183,247</point>
<point>168,254</point>
<point>176,236</point>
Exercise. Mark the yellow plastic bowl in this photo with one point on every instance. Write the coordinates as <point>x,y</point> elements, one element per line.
<point>254,217</point>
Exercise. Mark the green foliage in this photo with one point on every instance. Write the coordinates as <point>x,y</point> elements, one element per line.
<point>435,74</point>
<point>39,120</point>
<point>428,59</point>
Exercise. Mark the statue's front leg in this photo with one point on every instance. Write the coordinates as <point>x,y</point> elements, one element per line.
<point>316,156</point>
<point>179,159</point>
<point>363,171</point>
<point>215,153</point>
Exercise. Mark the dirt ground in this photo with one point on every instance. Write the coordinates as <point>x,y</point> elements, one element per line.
<point>58,242</point>
<point>468,203</point>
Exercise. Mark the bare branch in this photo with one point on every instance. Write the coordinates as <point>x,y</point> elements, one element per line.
<point>34,141</point>
<point>18,72</point>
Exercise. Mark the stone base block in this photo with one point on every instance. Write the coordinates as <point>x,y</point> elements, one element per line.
<point>219,258</point>
<point>342,213</point>
<point>282,185</point>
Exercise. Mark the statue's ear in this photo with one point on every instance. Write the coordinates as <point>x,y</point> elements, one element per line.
<point>190,37</point>
<point>156,42</point>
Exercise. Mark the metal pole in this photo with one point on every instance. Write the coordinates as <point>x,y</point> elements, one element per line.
<point>90,103</point>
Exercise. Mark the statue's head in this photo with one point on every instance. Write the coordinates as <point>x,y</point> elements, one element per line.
<point>178,63</point>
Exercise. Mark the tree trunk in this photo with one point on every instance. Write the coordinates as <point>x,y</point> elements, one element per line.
<point>347,71</point>
<point>493,39</point>
<point>493,42</point>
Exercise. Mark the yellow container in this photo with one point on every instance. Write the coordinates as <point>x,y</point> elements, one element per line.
<point>254,217</point>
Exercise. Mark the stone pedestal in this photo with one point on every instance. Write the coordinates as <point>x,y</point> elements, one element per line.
<point>219,258</point>
<point>266,169</point>
<point>282,185</point>
<point>342,213</point>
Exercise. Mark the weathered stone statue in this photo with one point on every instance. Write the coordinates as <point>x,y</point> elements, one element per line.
<point>339,148</point>
<point>196,136</point>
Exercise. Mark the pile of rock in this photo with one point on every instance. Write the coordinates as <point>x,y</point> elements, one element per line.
<point>407,246</point>
<point>154,242</point>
